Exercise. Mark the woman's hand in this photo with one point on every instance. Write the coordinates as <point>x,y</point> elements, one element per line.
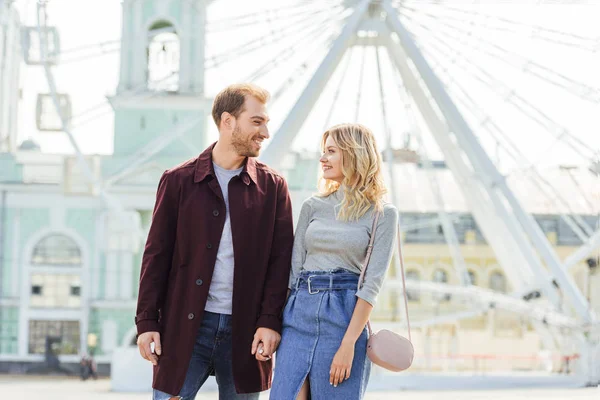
<point>342,363</point>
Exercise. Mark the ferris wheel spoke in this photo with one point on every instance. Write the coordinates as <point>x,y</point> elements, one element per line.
<point>514,59</point>
<point>257,43</point>
<point>438,42</point>
<point>361,77</point>
<point>311,37</point>
<point>553,36</point>
<point>271,19</point>
<point>259,16</point>
<point>301,70</point>
<point>573,220</point>
<point>336,94</point>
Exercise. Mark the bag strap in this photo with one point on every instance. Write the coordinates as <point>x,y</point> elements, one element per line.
<point>369,251</point>
<point>366,264</point>
<point>403,278</point>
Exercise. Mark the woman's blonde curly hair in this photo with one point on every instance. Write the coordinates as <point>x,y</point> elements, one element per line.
<point>362,169</point>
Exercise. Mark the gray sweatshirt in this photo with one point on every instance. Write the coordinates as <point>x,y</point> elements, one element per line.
<point>324,243</point>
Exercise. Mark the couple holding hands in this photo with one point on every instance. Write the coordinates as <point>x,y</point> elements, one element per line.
<point>225,282</point>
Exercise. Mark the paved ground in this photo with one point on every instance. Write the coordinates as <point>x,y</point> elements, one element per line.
<point>48,388</point>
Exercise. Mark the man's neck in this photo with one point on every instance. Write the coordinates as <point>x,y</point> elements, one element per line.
<point>226,157</point>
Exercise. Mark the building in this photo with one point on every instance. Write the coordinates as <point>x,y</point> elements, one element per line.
<point>70,256</point>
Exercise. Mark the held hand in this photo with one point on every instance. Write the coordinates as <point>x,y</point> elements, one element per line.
<point>265,343</point>
<point>342,364</point>
<point>143,343</point>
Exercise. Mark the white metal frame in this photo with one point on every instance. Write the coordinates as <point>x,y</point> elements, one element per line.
<point>504,201</point>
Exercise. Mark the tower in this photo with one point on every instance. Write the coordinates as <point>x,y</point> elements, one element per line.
<point>160,109</point>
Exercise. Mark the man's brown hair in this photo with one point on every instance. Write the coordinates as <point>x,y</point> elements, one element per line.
<point>231,99</point>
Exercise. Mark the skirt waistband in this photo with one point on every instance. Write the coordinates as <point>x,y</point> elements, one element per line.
<point>316,281</point>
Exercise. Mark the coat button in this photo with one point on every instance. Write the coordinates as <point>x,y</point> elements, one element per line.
<point>209,246</point>
<point>216,213</point>
<point>199,282</point>
<point>191,316</point>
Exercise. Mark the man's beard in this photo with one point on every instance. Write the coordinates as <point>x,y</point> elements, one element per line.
<point>243,145</point>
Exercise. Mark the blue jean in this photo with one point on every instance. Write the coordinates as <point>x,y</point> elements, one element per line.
<point>315,320</point>
<point>212,353</point>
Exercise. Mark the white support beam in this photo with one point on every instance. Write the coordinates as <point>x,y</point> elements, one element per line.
<point>437,320</point>
<point>282,140</point>
<point>425,224</point>
<point>475,295</point>
<point>446,221</point>
<point>590,246</point>
<point>495,185</point>
<point>499,237</point>
<point>145,153</point>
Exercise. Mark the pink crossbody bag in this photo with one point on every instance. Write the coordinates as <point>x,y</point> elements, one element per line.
<point>386,348</point>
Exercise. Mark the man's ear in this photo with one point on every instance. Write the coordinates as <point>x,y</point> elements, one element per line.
<point>227,120</point>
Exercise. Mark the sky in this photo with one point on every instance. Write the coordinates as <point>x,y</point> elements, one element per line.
<point>462,44</point>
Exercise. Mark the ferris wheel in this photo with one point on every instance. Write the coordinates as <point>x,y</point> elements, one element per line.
<point>497,91</point>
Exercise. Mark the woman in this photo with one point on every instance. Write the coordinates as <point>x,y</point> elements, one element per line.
<point>323,347</point>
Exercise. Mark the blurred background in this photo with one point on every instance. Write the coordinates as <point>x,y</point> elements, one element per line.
<point>487,114</point>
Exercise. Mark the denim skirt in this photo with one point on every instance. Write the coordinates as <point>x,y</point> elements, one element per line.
<point>315,320</point>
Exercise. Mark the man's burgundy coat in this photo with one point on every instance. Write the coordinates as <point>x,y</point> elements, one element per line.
<point>180,255</point>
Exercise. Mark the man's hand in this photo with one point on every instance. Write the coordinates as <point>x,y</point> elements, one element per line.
<point>143,343</point>
<point>265,343</point>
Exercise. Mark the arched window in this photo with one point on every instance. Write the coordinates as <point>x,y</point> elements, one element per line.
<point>472,277</point>
<point>163,54</point>
<point>414,275</point>
<point>498,282</point>
<point>56,249</point>
<point>441,276</point>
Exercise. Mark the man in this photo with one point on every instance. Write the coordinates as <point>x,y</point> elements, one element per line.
<point>217,261</point>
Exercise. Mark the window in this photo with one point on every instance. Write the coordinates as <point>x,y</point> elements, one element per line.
<point>76,291</point>
<point>467,230</point>
<point>423,228</point>
<point>498,282</point>
<point>36,290</point>
<point>31,45</point>
<point>548,223</point>
<point>59,290</point>
<point>47,119</point>
<point>472,277</point>
<point>62,337</point>
<point>414,275</point>
<point>566,235</point>
<point>440,276</point>
<point>9,330</point>
<point>163,57</point>
<point>408,221</point>
<point>56,250</point>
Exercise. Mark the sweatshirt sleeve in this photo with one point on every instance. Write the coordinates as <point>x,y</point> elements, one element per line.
<point>383,249</point>
<point>299,250</point>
